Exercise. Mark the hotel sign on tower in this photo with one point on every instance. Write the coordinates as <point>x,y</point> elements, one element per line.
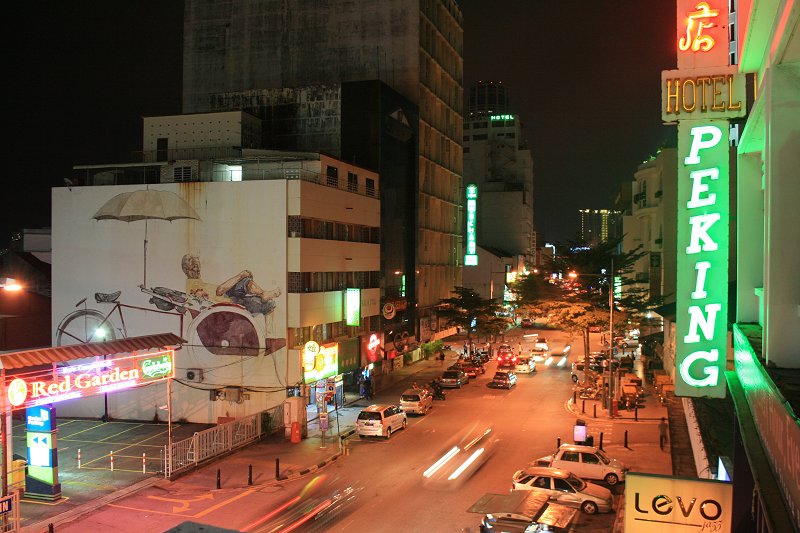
<point>701,96</point>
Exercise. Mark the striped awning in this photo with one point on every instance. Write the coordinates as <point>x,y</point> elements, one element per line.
<point>45,356</point>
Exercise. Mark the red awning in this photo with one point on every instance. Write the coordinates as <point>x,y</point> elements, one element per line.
<point>45,356</point>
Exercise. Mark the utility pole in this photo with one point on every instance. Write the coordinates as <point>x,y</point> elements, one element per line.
<point>611,340</point>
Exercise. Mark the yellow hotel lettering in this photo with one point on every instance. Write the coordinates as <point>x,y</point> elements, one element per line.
<point>701,93</point>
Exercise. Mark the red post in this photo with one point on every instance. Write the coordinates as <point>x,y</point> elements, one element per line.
<point>112,460</point>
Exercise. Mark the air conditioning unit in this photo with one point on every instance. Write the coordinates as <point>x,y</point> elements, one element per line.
<point>194,374</point>
<point>233,394</point>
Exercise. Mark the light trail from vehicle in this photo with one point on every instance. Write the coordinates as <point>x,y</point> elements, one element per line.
<point>441,462</point>
<point>466,464</point>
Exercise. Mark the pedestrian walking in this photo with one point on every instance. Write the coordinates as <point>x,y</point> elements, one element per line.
<point>368,388</point>
<point>662,432</point>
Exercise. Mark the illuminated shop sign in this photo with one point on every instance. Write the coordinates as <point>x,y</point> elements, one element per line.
<point>319,362</point>
<point>502,117</point>
<point>702,284</point>
<point>89,379</point>
<point>352,307</point>
<point>370,348</point>
<point>655,503</point>
<point>702,93</point>
<point>702,33</point>
<point>471,257</point>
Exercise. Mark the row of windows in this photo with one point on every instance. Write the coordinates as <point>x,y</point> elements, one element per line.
<point>332,180</point>
<point>312,228</point>
<point>325,333</point>
<point>299,282</point>
<point>484,125</point>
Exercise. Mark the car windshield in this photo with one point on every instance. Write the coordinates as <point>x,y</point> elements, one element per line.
<point>576,482</point>
<point>501,375</point>
<point>603,457</point>
<point>410,397</point>
<point>369,415</point>
<point>450,375</point>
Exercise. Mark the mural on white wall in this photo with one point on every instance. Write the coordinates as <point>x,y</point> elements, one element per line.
<point>234,317</point>
<point>206,261</point>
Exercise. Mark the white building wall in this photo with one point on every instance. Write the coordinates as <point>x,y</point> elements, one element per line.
<point>240,226</point>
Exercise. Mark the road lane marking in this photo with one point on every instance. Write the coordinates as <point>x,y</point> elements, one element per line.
<point>185,504</point>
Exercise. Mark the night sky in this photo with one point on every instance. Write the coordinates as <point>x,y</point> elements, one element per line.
<point>583,74</point>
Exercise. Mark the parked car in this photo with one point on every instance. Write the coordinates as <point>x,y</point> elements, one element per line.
<point>565,488</point>
<point>525,365</point>
<point>380,421</point>
<point>504,380</point>
<point>461,366</point>
<point>453,379</point>
<point>526,323</point>
<point>417,401</point>
<point>586,462</point>
<point>595,329</point>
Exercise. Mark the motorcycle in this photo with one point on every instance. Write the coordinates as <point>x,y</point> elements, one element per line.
<point>436,390</point>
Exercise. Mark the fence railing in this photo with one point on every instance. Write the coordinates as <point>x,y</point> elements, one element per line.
<point>220,439</point>
<point>9,513</point>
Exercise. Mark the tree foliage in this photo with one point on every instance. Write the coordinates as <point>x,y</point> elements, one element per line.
<point>467,308</point>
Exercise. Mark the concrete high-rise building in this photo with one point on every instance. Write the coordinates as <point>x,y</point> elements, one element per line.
<point>497,159</point>
<point>597,225</point>
<point>233,51</point>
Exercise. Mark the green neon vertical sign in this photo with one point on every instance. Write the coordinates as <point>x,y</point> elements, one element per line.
<point>471,257</point>
<point>352,307</point>
<point>702,284</point>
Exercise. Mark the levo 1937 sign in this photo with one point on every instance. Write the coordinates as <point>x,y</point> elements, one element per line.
<point>655,503</point>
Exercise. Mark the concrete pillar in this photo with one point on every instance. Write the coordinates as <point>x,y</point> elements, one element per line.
<point>782,218</point>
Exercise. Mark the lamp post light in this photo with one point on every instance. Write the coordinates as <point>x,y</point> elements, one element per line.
<point>10,285</point>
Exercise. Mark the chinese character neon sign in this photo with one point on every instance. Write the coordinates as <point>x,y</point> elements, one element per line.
<point>471,257</point>
<point>320,364</point>
<point>702,285</point>
<point>696,22</point>
<point>88,379</point>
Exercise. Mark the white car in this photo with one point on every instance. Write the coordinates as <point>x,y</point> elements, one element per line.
<point>586,462</point>
<point>380,421</point>
<point>541,345</point>
<point>525,365</point>
<point>417,401</point>
<point>565,488</point>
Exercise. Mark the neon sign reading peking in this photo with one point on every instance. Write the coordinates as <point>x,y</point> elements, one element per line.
<point>702,260</point>
<point>91,378</point>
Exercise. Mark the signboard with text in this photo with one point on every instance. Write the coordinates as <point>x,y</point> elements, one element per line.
<point>702,33</point>
<point>471,257</point>
<point>319,361</point>
<point>87,379</point>
<point>656,503</point>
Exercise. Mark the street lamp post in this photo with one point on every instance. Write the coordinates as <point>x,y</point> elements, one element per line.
<point>10,285</point>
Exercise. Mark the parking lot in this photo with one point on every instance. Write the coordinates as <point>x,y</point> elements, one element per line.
<point>137,449</point>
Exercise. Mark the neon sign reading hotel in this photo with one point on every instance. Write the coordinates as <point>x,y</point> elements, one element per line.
<point>102,376</point>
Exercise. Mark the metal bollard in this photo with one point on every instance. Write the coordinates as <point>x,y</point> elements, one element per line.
<point>574,397</point>
<point>50,528</point>
<point>249,474</point>
<point>601,440</point>
<point>583,406</point>
<point>112,460</point>
<point>219,484</point>
<point>626,439</point>
<point>79,457</point>
<point>558,442</point>
<point>595,411</point>
<point>277,468</point>
<point>636,413</point>
<point>144,464</point>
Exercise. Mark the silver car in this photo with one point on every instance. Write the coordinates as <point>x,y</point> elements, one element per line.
<point>453,379</point>
<point>565,488</point>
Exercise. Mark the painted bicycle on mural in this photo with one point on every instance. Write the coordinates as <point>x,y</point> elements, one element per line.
<point>220,325</point>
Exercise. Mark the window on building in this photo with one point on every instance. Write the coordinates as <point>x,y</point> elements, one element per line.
<point>352,182</point>
<point>332,175</point>
<point>182,174</point>
<point>481,137</point>
<point>370,186</point>
<point>466,138</point>
<point>466,149</point>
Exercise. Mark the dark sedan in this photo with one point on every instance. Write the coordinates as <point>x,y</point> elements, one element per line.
<point>453,379</point>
